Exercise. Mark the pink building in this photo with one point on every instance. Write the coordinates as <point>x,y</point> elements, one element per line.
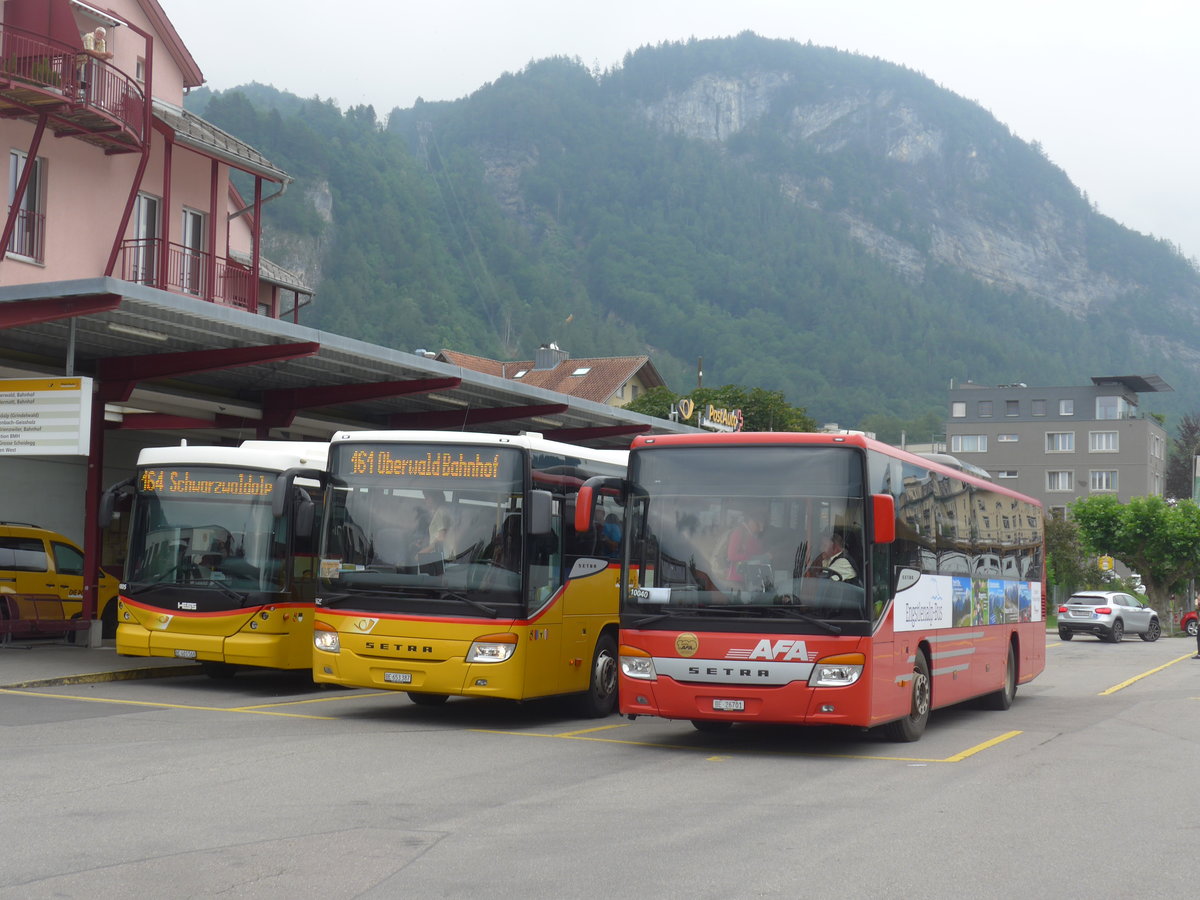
<point>109,176</point>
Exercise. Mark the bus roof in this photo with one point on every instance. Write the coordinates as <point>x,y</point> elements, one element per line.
<point>526,440</point>
<point>760,438</point>
<point>274,456</point>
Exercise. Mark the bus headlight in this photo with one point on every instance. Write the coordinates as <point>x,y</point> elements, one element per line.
<point>325,638</point>
<point>838,671</point>
<point>637,664</point>
<point>492,648</point>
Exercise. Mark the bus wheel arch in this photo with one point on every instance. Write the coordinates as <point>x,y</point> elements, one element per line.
<point>912,726</point>
<point>600,699</point>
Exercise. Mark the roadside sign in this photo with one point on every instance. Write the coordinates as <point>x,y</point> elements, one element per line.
<point>45,416</point>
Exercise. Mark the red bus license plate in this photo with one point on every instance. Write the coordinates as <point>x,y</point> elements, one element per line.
<point>729,705</point>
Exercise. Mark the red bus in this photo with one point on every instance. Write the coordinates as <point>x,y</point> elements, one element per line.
<point>819,579</point>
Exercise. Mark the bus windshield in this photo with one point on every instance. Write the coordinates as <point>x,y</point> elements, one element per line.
<point>425,530</point>
<point>206,525</point>
<point>766,532</point>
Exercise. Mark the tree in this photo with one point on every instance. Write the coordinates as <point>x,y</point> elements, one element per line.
<point>1183,449</point>
<point>1158,540</point>
<point>762,410</point>
<point>1068,564</point>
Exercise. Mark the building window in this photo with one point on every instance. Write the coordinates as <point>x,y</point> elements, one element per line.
<point>1008,438</point>
<point>1060,442</point>
<point>1103,442</point>
<point>968,443</point>
<point>1157,447</point>
<point>29,233</point>
<point>633,392</point>
<point>958,409</point>
<point>1059,481</point>
<point>1112,408</point>
<point>191,256</point>
<point>1012,407</point>
<point>985,409</point>
<point>1066,407</point>
<point>140,70</point>
<point>1058,513</point>
<point>142,261</point>
<point>1037,407</point>
<point>1007,473</point>
<point>1104,480</point>
<point>582,370</point>
<point>521,374</point>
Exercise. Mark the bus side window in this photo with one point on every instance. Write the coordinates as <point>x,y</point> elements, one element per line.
<point>545,562</point>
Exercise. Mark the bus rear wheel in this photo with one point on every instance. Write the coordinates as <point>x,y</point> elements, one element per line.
<point>601,697</point>
<point>912,726</point>
<point>1003,698</point>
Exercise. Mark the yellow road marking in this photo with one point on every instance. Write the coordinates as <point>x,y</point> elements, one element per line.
<point>592,730</point>
<point>1136,678</point>
<point>349,695</point>
<point>583,736</point>
<point>244,709</point>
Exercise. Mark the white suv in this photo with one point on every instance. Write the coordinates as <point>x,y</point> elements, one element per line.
<point>1109,615</point>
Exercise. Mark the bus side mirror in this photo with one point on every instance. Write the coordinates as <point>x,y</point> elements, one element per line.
<point>283,486</point>
<point>883,514</point>
<point>108,500</point>
<point>583,509</point>
<point>541,507</point>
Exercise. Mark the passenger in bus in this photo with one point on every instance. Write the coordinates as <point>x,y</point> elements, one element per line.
<point>834,561</point>
<point>610,536</point>
<point>745,544</point>
<point>440,522</point>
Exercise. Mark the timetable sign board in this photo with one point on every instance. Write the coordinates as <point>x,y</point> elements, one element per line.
<point>45,416</point>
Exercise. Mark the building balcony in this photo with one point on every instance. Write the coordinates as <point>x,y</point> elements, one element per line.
<point>80,93</point>
<point>194,273</point>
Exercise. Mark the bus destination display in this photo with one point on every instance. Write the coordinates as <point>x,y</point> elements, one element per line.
<point>411,462</point>
<point>206,482</point>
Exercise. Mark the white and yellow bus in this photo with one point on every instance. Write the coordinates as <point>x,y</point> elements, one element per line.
<point>446,569</point>
<point>221,565</point>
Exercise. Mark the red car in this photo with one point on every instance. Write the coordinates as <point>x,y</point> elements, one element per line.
<point>1190,623</point>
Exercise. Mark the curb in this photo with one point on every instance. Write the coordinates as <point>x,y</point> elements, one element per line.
<point>100,677</point>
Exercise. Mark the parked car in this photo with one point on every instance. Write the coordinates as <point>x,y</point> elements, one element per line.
<point>1190,623</point>
<point>41,579</point>
<point>1109,615</point>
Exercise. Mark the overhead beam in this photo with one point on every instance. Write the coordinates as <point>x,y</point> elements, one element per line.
<point>463,418</point>
<point>51,309</point>
<point>574,435</point>
<point>119,375</point>
<point>281,406</point>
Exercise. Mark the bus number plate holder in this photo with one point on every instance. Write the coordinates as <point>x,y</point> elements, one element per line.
<point>398,677</point>
<point>729,705</point>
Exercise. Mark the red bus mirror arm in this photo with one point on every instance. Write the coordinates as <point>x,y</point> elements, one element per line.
<point>883,514</point>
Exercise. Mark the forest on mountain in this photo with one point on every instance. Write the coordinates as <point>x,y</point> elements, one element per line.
<point>832,227</point>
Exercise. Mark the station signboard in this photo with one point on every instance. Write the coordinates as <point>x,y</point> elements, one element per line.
<point>45,416</point>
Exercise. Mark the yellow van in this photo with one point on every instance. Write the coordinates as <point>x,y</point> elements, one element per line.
<point>41,578</point>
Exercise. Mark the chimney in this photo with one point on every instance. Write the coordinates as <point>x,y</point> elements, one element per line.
<point>548,356</point>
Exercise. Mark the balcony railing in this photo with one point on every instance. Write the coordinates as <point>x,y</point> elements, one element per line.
<point>187,273</point>
<point>85,81</point>
<point>29,235</point>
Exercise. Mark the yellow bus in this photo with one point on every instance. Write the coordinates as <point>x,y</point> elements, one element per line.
<point>446,569</point>
<point>221,565</point>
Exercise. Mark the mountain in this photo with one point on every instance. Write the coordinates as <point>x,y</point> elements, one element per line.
<point>806,220</point>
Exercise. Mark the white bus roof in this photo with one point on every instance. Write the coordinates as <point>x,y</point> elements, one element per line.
<point>527,440</point>
<point>274,456</point>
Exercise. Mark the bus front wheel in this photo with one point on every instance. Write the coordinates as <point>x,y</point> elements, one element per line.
<point>427,699</point>
<point>912,726</point>
<point>601,697</point>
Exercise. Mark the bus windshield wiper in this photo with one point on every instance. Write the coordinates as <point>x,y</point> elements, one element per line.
<point>792,613</point>
<point>463,598</point>
<point>391,592</point>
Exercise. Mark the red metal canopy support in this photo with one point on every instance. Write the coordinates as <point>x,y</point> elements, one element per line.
<point>280,407</point>
<point>34,312</point>
<point>119,375</point>
<point>453,418</point>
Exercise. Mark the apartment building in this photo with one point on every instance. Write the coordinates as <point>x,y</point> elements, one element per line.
<point>1059,444</point>
<point>108,175</point>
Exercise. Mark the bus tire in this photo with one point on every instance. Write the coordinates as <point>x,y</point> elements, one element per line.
<point>427,699</point>
<point>601,697</point>
<point>912,726</point>
<point>218,671</point>
<point>1003,698</point>
<point>108,620</point>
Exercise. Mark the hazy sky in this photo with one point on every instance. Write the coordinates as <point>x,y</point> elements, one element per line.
<point>1107,88</point>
